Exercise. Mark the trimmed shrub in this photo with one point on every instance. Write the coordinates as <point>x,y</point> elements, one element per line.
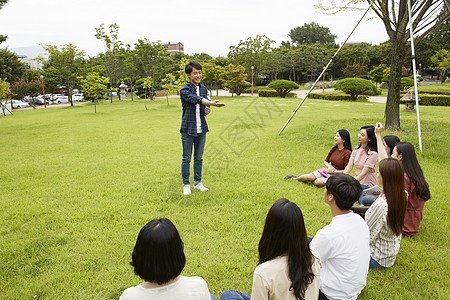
<point>432,99</point>
<point>406,83</point>
<point>355,86</point>
<point>283,87</point>
<point>256,89</point>
<point>336,97</point>
<point>372,93</point>
<point>273,93</point>
<point>328,84</point>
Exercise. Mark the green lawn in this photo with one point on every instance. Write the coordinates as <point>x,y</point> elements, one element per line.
<point>76,187</point>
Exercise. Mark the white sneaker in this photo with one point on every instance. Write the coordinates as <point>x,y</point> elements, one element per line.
<point>186,189</point>
<point>199,186</point>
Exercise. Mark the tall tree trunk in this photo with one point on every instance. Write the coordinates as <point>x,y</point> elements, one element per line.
<point>392,110</point>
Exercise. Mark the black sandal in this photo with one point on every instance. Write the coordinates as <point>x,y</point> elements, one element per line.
<point>289,176</point>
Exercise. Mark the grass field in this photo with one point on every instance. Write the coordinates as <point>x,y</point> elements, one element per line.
<point>76,187</point>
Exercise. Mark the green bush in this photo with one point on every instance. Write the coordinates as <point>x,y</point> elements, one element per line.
<point>432,99</point>
<point>336,97</point>
<point>256,89</point>
<point>372,93</point>
<point>283,87</point>
<point>406,83</point>
<point>355,86</point>
<point>273,93</point>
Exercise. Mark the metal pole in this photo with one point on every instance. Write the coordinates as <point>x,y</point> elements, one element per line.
<point>413,55</point>
<point>324,69</point>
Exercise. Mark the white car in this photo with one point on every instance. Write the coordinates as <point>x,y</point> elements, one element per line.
<point>61,99</point>
<point>17,103</point>
<point>77,97</point>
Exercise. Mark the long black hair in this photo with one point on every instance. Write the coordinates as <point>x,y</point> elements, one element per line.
<point>345,135</point>
<point>285,234</point>
<point>413,169</point>
<point>372,145</point>
<point>391,141</point>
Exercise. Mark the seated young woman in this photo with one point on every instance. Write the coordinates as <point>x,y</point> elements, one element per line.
<point>158,258</point>
<point>389,142</point>
<point>288,268</point>
<point>415,185</point>
<point>336,159</point>
<point>386,215</point>
<point>364,158</point>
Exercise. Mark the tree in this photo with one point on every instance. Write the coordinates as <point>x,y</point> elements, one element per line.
<point>11,69</point>
<point>441,63</point>
<point>23,88</point>
<point>234,79</point>
<point>252,52</point>
<point>3,37</point>
<point>211,75</point>
<point>113,58</point>
<point>283,87</point>
<point>147,85</point>
<point>66,65</point>
<point>311,34</point>
<point>377,73</point>
<point>169,85</point>
<point>4,92</point>
<point>356,70</point>
<point>355,86</point>
<point>182,77</point>
<point>94,86</point>
<point>152,60</point>
<point>426,17</point>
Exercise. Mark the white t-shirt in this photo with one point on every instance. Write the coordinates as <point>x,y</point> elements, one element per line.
<point>343,246</point>
<point>197,113</point>
<point>185,288</point>
<point>271,280</point>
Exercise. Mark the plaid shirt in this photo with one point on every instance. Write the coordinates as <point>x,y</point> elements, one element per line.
<point>189,99</point>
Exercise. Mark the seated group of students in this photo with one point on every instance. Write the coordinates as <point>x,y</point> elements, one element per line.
<point>335,263</point>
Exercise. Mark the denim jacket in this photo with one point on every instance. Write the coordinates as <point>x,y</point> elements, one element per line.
<point>189,99</point>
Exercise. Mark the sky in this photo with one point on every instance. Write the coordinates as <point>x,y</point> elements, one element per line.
<point>208,26</point>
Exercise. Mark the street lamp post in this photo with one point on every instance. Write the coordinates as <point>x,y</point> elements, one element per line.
<point>43,91</point>
<point>253,73</point>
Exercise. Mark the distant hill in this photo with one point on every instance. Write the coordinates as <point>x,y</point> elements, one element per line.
<point>30,52</point>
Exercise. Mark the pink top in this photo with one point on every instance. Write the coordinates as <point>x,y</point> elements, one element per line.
<point>361,159</point>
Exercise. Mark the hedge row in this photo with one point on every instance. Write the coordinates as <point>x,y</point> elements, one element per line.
<point>335,97</point>
<point>434,100</point>
<point>256,89</point>
<point>273,93</point>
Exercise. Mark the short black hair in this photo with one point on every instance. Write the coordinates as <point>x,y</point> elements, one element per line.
<point>158,255</point>
<point>191,65</point>
<point>345,189</point>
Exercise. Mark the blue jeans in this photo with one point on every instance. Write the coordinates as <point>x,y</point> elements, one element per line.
<point>213,297</point>
<point>199,145</point>
<point>366,200</point>
<point>234,295</point>
<point>374,265</point>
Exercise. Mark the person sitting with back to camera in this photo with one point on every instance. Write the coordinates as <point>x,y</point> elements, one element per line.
<point>343,244</point>
<point>415,184</point>
<point>158,258</point>
<point>335,161</point>
<point>288,267</point>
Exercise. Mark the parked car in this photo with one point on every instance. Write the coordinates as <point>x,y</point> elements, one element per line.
<point>39,100</point>
<point>77,97</point>
<point>61,99</point>
<point>17,103</point>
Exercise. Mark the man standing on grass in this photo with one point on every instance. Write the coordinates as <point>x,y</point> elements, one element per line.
<point>193,125</point>
<point>343,244</point>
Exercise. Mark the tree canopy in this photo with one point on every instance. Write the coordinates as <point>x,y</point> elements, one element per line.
<point>311,34</point>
